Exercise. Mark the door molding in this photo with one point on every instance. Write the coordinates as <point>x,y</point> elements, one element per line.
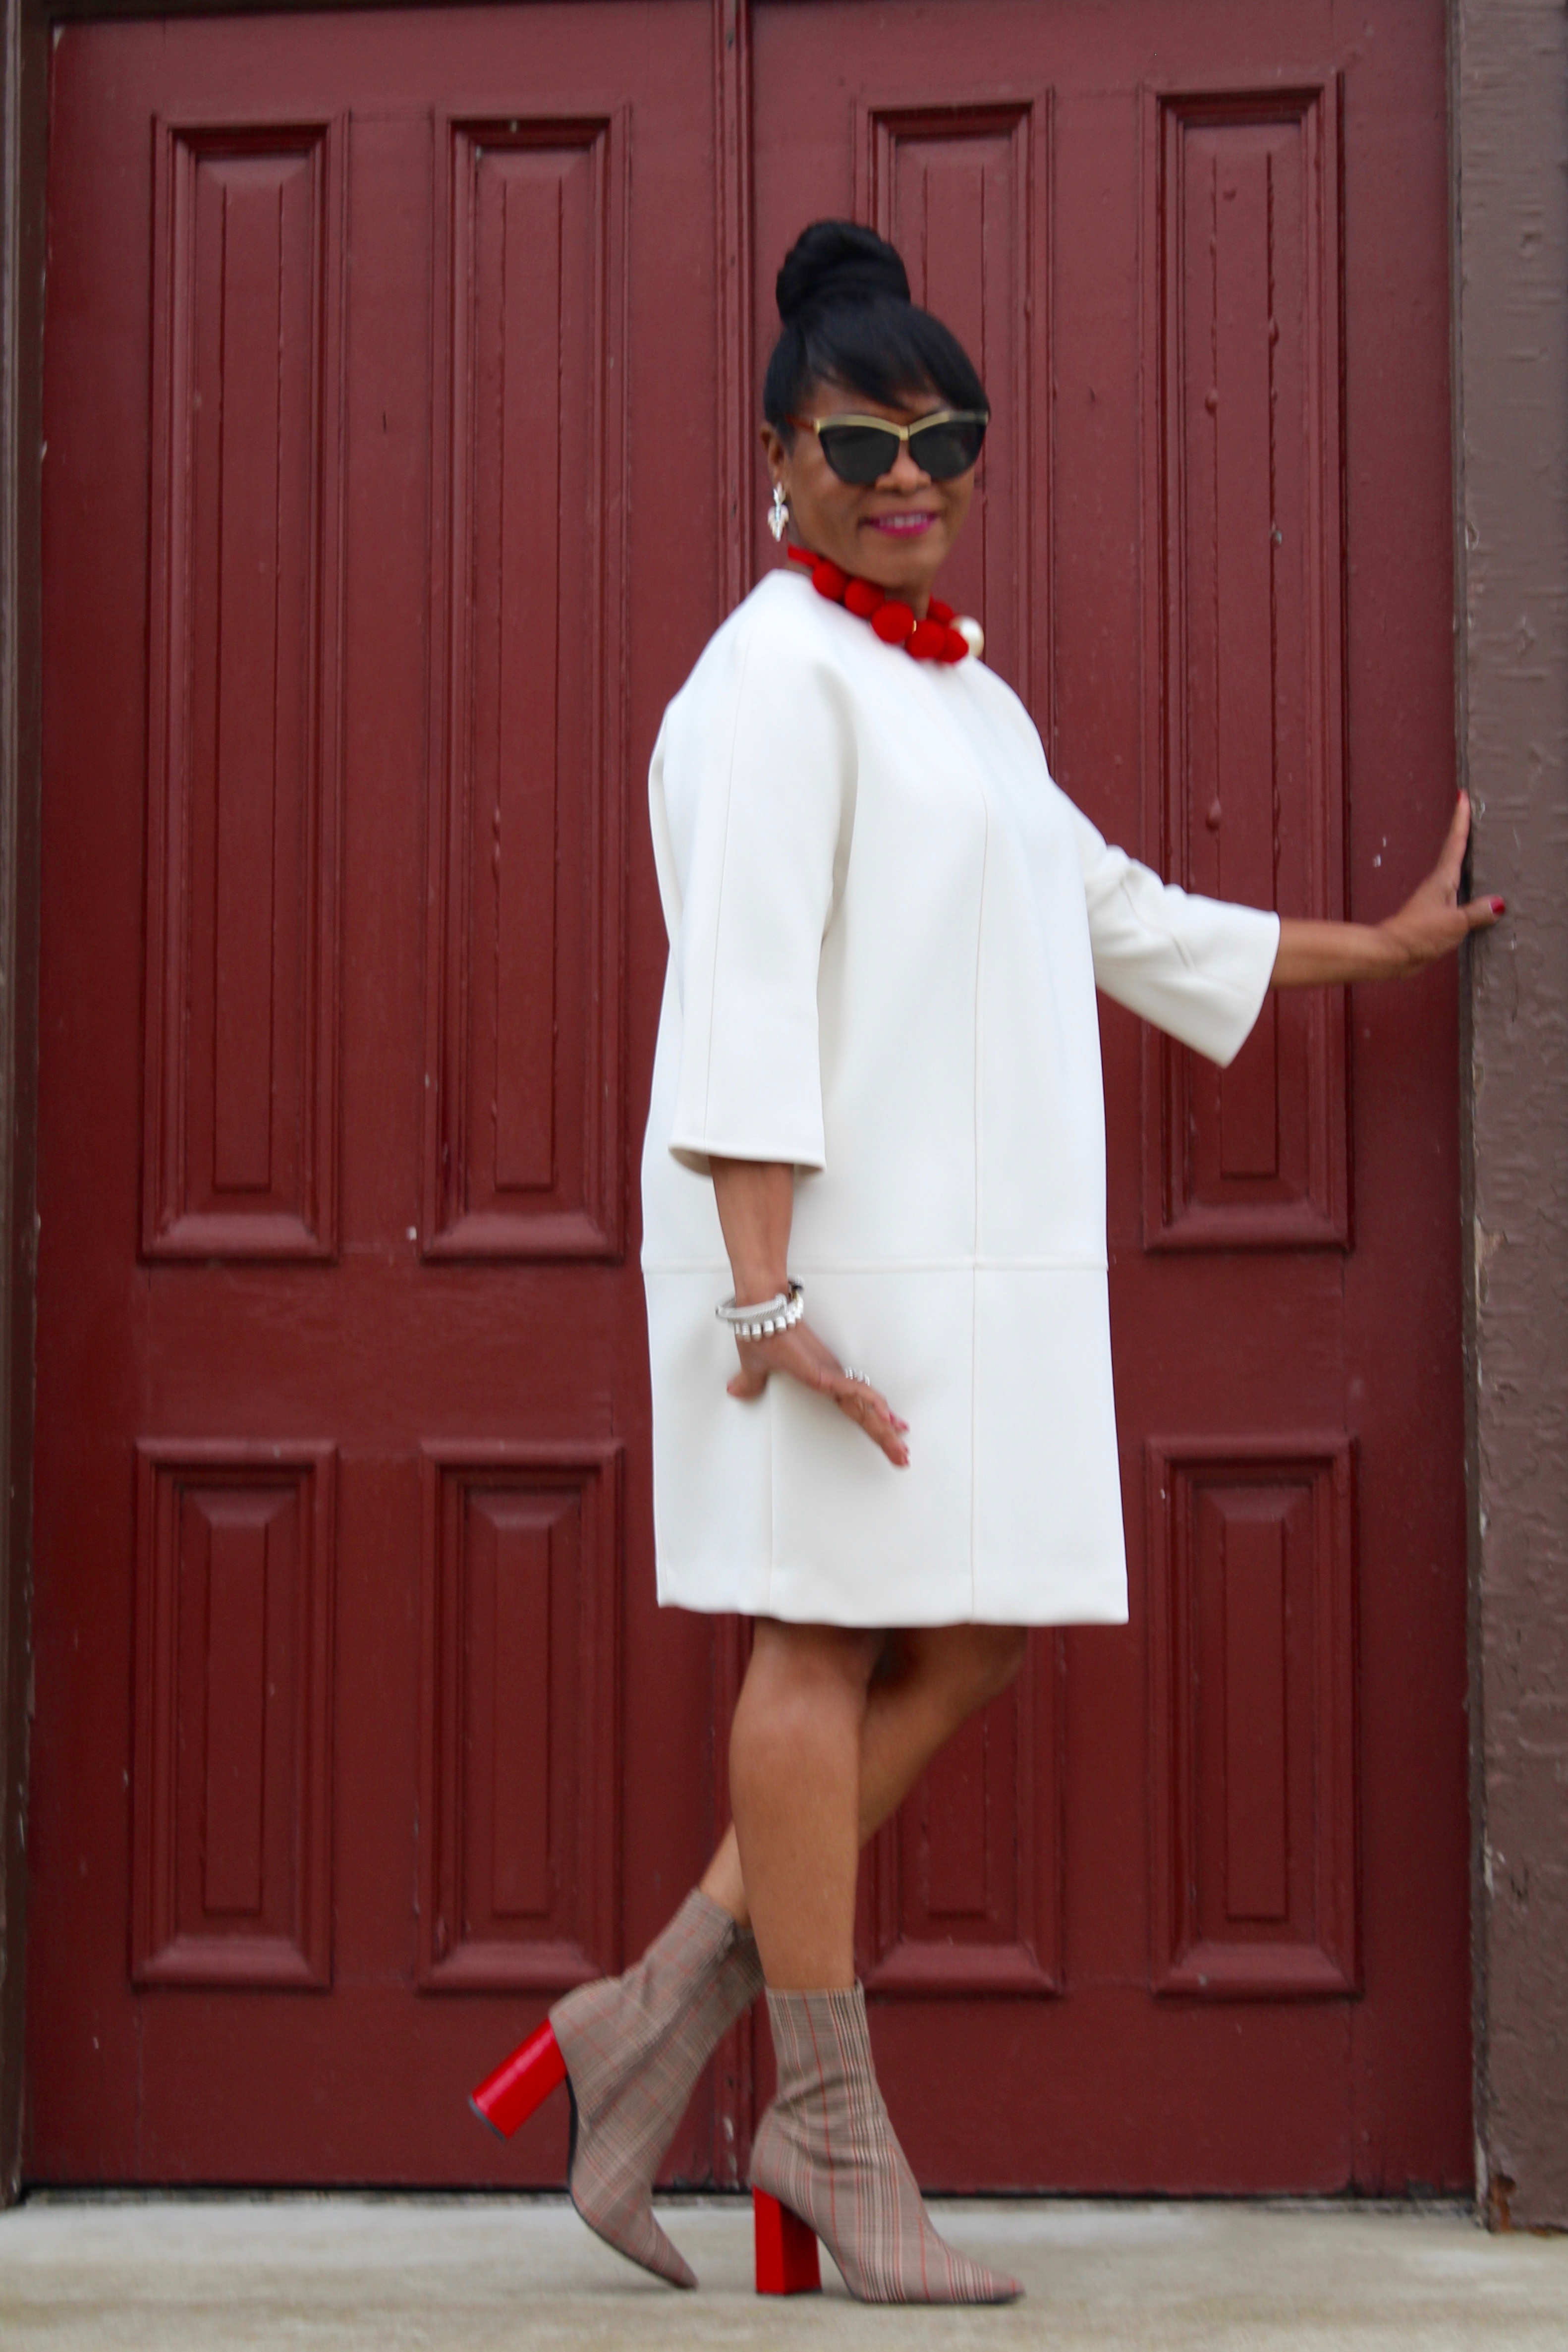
<point>24,61</point>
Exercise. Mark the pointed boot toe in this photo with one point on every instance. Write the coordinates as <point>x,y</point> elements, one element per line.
<point>634,2046</point>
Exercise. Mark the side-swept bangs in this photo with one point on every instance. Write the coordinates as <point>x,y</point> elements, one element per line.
<point>876,345</point>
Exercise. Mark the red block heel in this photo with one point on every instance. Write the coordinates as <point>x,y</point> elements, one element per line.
<point>521,2082</point>
<point>787,2249</point>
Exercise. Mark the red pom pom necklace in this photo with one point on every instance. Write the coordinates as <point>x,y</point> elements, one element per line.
<point>943,636</point>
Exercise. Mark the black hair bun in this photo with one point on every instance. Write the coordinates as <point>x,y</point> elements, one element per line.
<point>850,323</point>
<point>837,261</point>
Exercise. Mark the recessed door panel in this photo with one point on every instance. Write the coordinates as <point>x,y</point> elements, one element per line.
<point>231,1860</point>
<point>964,193</point>
<point>524,1133</point>
<point>1244,455</point>
<point>244,737</point>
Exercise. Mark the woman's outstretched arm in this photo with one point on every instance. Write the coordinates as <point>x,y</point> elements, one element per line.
<point>1431,923</point>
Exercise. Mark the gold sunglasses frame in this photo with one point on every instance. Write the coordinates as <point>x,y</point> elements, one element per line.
<point>904,433</point>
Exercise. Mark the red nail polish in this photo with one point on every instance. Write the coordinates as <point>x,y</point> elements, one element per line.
<point>1499,906</point>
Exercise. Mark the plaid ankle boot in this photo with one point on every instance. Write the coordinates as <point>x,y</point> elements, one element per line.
<point>827,2151</point>
<point>634,2046</point>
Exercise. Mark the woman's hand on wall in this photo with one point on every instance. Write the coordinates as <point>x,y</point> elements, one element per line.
<point>1430,924</point>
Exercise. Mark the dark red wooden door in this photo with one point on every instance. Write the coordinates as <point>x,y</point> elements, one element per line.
<point>387,425</point>
<point>358,1733</point>
<point>1192,1911</point>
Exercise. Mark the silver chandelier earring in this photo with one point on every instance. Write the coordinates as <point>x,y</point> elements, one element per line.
<point>778,514</point>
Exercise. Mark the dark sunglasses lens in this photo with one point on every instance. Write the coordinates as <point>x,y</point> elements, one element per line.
<point>945,451</point>
<point>858,453</point>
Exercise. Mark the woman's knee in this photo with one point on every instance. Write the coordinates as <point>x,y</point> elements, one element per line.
<point>804,1674</point>
<point>790,1733</point>
<point>1000,1651</point>
<point>820,1655</point>
<point>977,1661</point>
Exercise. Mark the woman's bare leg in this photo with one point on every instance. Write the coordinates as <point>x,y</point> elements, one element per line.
<point>923,1685</point>
<point>794,1786</point>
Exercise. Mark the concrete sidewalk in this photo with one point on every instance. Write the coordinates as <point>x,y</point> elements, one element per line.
<point>466,2275</point>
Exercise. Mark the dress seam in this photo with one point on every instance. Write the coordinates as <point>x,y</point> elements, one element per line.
<point>723,869</point>
<point>1167,935</point>
<point>979,1185</point>
<point>971,1266</point>
<point>1085,1264</point>
<point>773,1505</point>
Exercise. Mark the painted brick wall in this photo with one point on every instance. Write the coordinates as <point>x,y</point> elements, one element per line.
<point>1510,98</point>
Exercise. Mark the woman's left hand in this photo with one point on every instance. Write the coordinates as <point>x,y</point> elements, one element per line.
<point>1430,924</point>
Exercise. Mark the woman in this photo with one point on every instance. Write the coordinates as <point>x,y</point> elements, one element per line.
<point>878,1078</point>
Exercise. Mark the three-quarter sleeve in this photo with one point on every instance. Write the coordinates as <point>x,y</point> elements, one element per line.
<point>753,789</point>
<point>1198,968</point>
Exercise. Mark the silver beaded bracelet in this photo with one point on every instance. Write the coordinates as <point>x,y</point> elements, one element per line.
<point>768,1317</point>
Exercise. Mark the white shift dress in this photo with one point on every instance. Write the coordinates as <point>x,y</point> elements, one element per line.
<point>886,928</point>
